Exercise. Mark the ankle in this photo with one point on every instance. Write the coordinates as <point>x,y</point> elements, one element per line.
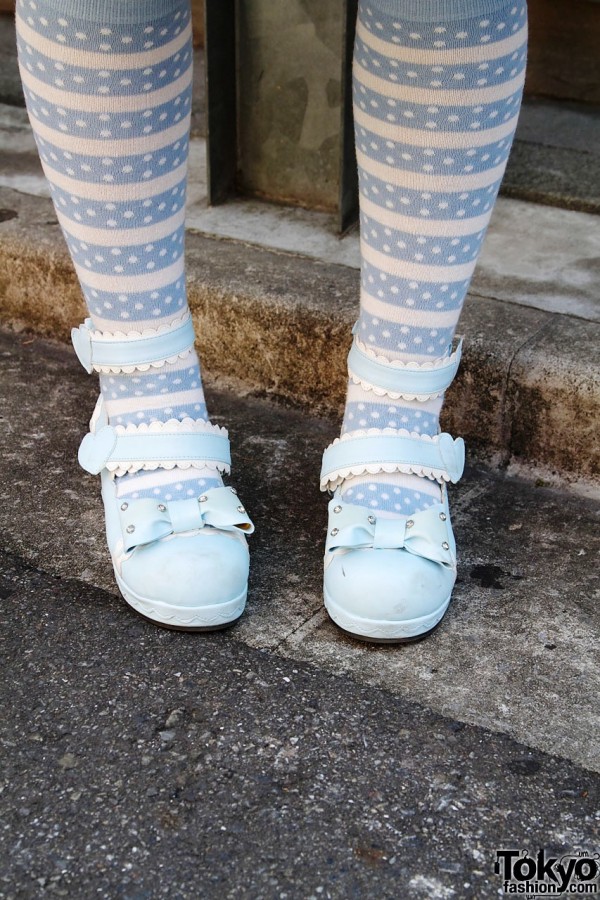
<point>168,484</point>
<point>396,494</point>
<point>170,391</point>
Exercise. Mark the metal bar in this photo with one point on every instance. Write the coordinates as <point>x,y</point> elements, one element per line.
<point>221,114</point>
<point>348,201</point>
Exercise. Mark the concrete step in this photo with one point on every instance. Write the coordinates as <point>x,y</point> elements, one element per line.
<point>556,155</point>
<point>518,650</point>
<point>278,290</point>
<point>528,392</point>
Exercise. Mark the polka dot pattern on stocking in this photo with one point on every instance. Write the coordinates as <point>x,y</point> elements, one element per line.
<point>436,104</point>
<point>109,102</point>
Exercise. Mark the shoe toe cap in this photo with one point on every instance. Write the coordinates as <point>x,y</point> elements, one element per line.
<point>193,571</point>
<point>387,585</point>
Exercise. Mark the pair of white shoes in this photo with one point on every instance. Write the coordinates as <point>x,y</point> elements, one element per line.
<point>184,564</point>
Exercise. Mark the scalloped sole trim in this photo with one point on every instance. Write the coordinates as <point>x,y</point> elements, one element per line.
<point>207,618</point>
<point>393,395</point>
<point>375,629</point>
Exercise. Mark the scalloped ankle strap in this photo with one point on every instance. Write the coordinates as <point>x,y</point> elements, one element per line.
<point>106,352</point>
<point>409,380</point>
<point>119,450</point>
<point>441,457</point>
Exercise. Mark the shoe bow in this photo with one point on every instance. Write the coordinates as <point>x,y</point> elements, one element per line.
<point>147,520</point>
<point>425,534</point>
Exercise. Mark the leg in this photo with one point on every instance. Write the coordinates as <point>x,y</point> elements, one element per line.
<point>108,90</point>
<point>437,91</point>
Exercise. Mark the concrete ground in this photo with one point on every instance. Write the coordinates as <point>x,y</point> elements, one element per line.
<point>140,763</point>
<point>282,759</point>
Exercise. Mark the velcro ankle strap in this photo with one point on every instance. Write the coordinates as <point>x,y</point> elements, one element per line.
<point>104,352</point>
<point>397,379</point>
<point>441,457</point>
<point>121,450</point>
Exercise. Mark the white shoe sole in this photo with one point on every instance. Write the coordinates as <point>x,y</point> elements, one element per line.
<point>381,631</point>
<point>184,618</point>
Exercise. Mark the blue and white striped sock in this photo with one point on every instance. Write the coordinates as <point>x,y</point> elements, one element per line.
<point>437,93</point>
<point>108,89</point>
